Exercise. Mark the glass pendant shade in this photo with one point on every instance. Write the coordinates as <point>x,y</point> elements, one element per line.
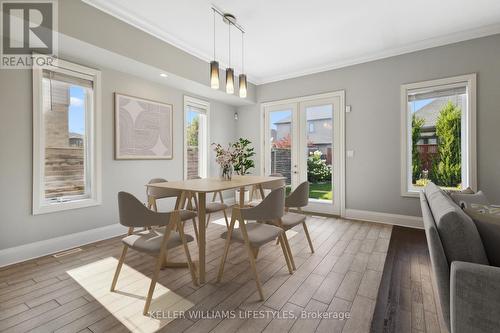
<point>214,74</point>
<point>243,86</point>
<point>230,81</point>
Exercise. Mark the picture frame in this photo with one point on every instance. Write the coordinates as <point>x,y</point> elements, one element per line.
<point>143,128</point>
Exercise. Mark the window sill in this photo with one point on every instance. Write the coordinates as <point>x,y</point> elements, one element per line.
<point>411,194</point>
<point>62,206</point>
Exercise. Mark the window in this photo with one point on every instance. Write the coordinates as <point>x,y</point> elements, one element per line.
<point>196,113</point>
<point>439,134</point>
<point>66,137</point>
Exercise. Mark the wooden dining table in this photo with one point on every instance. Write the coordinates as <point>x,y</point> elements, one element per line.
<point>200,188</point>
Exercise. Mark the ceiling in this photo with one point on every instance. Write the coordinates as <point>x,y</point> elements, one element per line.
<point>289,38</point>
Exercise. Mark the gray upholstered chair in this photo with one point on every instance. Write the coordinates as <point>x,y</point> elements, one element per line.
<point>212,207</point>
<point>155,193</point>
<point>254,235</point>
<point>154,241</point>
<point>297,199</point>
<point>266,186</point>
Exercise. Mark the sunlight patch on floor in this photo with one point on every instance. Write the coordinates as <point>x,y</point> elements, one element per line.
<point>291,233</point>
<point>222,222</point>
<point>127,302</point>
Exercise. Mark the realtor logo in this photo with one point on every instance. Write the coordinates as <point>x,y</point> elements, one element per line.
<point>28,33</point>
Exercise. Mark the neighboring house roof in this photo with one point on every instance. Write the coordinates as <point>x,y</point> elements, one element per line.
<point>73,135</point>
<point>430,112</point>
<point>312,114</point>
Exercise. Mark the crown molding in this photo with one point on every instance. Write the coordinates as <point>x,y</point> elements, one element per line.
<point>409,48</point>
<point>155,31</point>
<point>151,29</point>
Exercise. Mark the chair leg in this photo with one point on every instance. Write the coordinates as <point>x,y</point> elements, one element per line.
<point>253,266</point>
<point>188,256</point>
<point>226,248</point>
<point>277,241</point>
<point>195,229</point>
<point>152,286</point>
<point>285,253</point>
<point>255,251</point>
<point>307,236</point>
<point>225,218</point>
<point>208,221</point>
<point>287,245</point>
<point>119,267</point>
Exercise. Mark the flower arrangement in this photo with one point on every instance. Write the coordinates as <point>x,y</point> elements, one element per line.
<point>237,156</point>
<point>225,157</point>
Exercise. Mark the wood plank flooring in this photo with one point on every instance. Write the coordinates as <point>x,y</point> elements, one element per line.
<point>71,293</point>
<point>407,300</point>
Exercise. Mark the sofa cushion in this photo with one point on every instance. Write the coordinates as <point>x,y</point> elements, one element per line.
<point>464,200</point>
<point>458,233</point>
<point>487,220</point>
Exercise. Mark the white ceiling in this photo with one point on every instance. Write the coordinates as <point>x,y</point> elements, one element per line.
<point>288,38</point>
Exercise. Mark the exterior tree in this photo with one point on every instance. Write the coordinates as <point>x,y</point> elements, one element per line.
<point>192,132</point>
<point>448,170</point>
<point>416,163</point>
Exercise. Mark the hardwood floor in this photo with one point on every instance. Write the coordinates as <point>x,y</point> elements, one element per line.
<point>407,300</point>
<point>71,293</point>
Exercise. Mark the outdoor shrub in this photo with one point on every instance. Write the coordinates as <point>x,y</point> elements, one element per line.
<point>317,170</point>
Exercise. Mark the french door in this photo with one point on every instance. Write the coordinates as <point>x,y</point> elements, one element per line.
<point>304,141</point>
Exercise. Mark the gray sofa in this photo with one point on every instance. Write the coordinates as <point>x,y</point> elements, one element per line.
<point>468,287</point>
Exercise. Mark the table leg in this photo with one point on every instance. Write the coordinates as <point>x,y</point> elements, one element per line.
<point>201,235</point>
<point>261,190</point>
<point>242,196</point>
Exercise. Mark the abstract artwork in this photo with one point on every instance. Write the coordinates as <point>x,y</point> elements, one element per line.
<point>143,128</point>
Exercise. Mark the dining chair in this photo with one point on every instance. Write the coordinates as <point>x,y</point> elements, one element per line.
<point>272,185</point>
<point>155,241</point>
<point>212,207</point>
<point>155,193</point>
<point>254,235</point>
<point>297,199</point>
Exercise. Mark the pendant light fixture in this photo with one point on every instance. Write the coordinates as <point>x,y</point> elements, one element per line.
<point>243,77</point>
<point>230,20</point>
<point>229,70</point>
<point>214,66</point>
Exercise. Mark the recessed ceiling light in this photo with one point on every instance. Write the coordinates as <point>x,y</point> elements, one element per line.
<point>163,75</point>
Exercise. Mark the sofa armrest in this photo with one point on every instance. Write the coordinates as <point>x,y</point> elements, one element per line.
<point>474,298</point>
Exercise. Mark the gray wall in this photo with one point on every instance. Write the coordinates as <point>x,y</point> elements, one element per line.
<point>373,126</point>
<point>17,225</point>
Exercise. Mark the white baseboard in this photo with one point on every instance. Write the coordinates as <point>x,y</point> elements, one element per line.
<point>49,246</point>
<point>394,219</point>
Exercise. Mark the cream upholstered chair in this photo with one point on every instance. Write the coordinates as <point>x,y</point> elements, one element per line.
<point>154,241</point>
<point>266,186</point>
<point>297,199</point>
<point>155,193</point>
<point>254,235</point>
<point>212,207</point>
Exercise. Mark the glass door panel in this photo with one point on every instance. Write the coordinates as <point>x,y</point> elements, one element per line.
<point>280,147</point>
<point>319,151</point>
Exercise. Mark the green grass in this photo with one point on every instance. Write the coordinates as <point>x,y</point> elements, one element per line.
<point>321,191</point>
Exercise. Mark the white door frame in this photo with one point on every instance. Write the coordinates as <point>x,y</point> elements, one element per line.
<point>340,210</point>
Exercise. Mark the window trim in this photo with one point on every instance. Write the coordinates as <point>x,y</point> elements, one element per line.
<point>471,149</point>
<point>204,105</point>
<point>94,121</point>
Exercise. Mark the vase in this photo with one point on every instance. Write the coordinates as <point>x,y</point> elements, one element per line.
<point>226,172</point>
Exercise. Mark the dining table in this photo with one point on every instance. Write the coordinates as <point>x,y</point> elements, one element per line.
<point>200,188</point>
